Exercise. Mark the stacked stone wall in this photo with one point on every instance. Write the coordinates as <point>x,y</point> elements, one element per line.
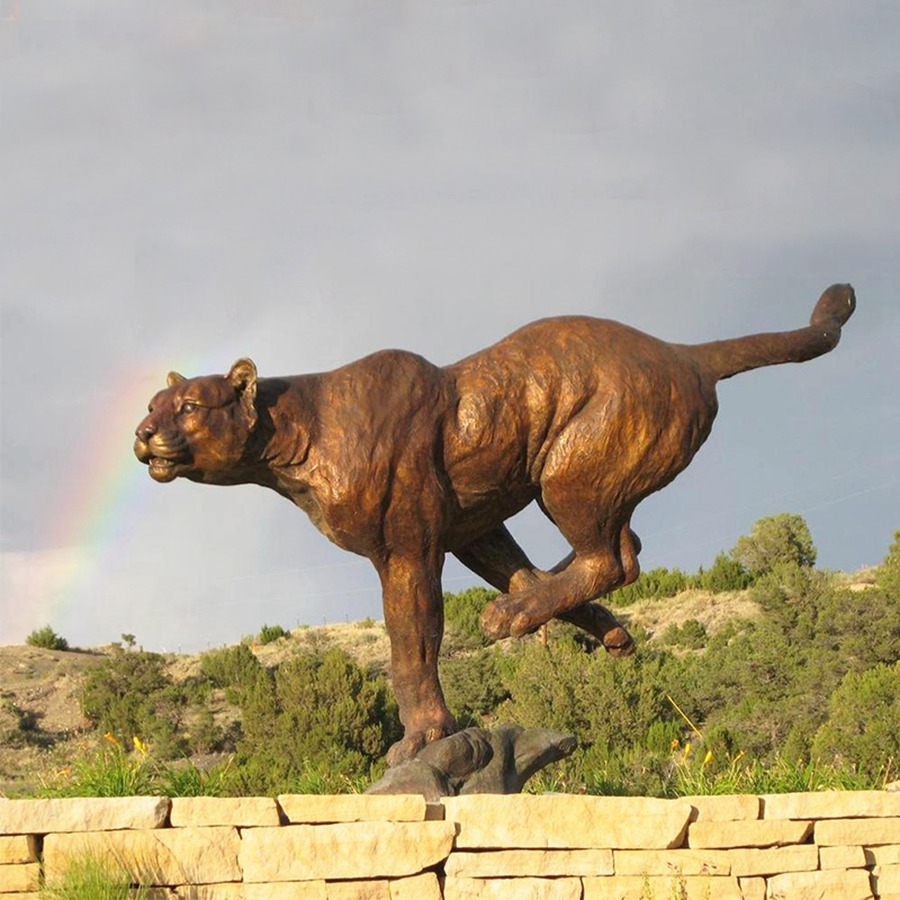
<point>552,847</point>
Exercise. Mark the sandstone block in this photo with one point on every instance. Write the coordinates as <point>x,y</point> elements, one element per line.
<point>888,855</point>
<point>358,890</point>
<point>418,887</point>
<point>22,895</point>
<point>177,856</point>
<point>831,885</point>
<point>773,861</point>
<point>512,889</point>
<point>637,887</point>
<point>297,890</point>
<point>352,850</point>
<point>725,808</point>
<point>287,890</point>
<point>762,833</point>
<point>538,863</point>
<point>831,805</point>
<point>523,821</point>
<point>242,812</point>
<point>886,879</point>
<point>19,877</point>
<point>18,848</point>
<point>671,862</point>
<point>301,809</point>
<point>842,858</point>
<point>82,814</point>
<point>752,888</point>
<point>868,832</point>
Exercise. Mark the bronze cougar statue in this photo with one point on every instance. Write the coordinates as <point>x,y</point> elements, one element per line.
<point>402,461</point>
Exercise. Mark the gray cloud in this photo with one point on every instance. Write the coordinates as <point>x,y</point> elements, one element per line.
<point>189,184</point>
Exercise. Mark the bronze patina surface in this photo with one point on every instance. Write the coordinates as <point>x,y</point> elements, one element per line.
<point>402,461</point>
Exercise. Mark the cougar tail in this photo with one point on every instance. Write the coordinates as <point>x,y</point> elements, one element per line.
<point>722,359</point>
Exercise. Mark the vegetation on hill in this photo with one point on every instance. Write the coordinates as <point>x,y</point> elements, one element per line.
<point>804,695</point>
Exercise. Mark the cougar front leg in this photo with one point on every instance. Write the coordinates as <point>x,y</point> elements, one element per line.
<point>414,616</point>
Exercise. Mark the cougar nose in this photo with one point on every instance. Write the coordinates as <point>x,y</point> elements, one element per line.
<point>145,431</point>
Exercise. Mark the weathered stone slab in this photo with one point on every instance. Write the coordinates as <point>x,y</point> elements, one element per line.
<point>351,850</point>
<point>868,832</point>
<point>242,812</point>
<point>520,863</point>
<point>725,808</point>
<point>18,848</point>
<point>301,809</point>
<point>287,890</point>
<point>883,856</point>
<point>418,887</point>
<point>22,895</point>
<point>358,890</point>
<point>512,888</point>
<point>753,888</point>
<point>763,833</point>
<point>830,885</point>
<point>842,858</point>
<point>524,821</point>
<point>82,814</point>
<point>671,862</point>
<point>773,861</point>
<point>164,856</point>
<point>636,887</point>
<point>831,805</point>
<point>20,877</point>
<point>886,879</point>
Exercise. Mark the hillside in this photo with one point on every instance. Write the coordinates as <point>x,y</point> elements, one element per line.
<point>42,727</point>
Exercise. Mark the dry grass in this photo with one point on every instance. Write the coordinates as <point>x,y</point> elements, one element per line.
<point>713,610</point>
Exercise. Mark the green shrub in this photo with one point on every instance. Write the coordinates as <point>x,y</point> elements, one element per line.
<point>888,575</point>
<point>462,616</point>
<point>776,540</point>
<point>863,727</point>
<point>269,633</point>
<point>725,574</point>
<point>473,685</point>
<point>238,671</point>
<point>691,634</point>
<point>46,638</point>
<point>653,584</point>
<point>315,713</point>
<point>132,695</point>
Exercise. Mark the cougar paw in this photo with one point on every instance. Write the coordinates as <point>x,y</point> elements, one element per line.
<point>405,749</point>
<point>496,620</point>
<point>412,742</point>
<point>618,642</point>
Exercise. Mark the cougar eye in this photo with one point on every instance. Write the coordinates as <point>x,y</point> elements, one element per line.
<point>188,407</point>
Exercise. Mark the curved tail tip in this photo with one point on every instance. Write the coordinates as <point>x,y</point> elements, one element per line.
<point>836,304</point>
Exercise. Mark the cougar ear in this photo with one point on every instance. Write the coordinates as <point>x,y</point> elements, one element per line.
<point>242,376</point>
<point>174,378</point>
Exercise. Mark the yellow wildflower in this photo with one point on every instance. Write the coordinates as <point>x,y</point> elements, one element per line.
<point>139,745</point>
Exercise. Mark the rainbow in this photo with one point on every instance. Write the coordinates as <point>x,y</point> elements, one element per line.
<point>92,518</point>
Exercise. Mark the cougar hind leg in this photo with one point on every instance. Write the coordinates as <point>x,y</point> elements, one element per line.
<point>499,560</point>
<point>604,558</point>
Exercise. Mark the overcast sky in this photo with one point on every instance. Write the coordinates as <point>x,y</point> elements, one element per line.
<point>186,183</point>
